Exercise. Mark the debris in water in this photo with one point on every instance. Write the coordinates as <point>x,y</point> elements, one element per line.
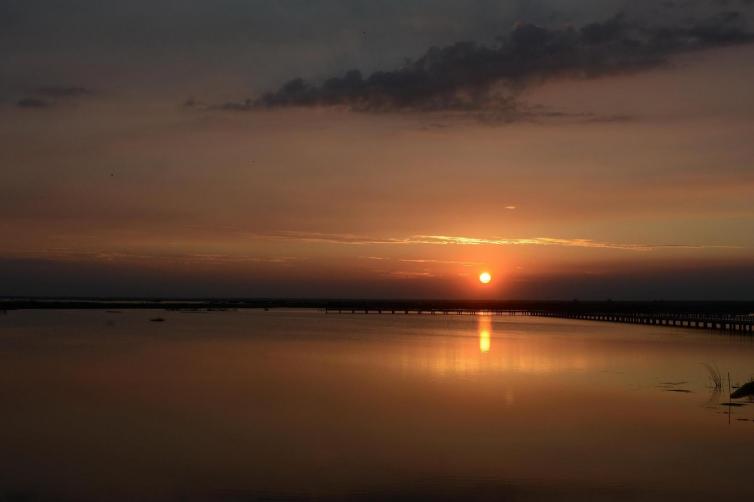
<point>745,390</point>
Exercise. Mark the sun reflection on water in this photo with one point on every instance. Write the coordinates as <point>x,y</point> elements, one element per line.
<point>485,328</point>
<point>514,352</point>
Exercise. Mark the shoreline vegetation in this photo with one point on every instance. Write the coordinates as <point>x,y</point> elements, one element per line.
<point>731,317</point>
<point>727,308</point>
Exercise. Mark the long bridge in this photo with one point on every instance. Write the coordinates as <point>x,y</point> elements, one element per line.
<point>735,317</point>
<point>720,322</point>
<point>720,316</point>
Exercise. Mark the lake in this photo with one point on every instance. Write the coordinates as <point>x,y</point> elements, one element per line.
<point>299,404</point>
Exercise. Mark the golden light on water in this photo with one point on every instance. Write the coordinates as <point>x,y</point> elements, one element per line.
<point>484,340</point>
<point>485,277</point>
<point>485,328</point>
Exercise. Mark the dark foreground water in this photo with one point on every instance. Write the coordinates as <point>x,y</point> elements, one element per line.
<point>248,405</point>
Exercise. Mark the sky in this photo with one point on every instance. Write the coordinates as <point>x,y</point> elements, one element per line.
<point>377,149</point>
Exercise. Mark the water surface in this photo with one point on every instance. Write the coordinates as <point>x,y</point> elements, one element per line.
<point>251,404</point>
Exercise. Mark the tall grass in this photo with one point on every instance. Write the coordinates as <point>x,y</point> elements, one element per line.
<point>714,376</point>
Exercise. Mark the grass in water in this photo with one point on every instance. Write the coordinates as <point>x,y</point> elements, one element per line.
<point>715,377</point>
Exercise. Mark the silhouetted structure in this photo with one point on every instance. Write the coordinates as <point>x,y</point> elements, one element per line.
<point>722,316</point>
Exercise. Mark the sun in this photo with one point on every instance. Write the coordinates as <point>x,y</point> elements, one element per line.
<point>485,277</point>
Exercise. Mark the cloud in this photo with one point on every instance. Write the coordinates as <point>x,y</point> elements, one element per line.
<point>443,262</point>
<point>60,92</point>
<point>406,274</point>
<point>64,254</point>
<point>47,96</point>
<point>470,76</point>
<point>33,103</point>
<point>535,241</point>
<point>352,239</point>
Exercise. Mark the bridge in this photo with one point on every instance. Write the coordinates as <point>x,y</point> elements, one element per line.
<point>720,322</point>
<point>720,316</point>
<point>734,317</point>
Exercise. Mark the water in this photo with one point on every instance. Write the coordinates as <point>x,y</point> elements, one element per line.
<point>250,404</point>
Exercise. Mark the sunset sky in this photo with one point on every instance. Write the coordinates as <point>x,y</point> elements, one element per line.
<point>574,149</point>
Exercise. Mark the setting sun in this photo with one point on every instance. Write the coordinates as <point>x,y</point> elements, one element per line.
<point>485,277</point>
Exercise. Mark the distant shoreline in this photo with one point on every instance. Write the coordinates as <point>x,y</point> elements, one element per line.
<point>717,307</point>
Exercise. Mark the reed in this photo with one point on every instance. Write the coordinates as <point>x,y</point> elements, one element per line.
<point>715,377</point>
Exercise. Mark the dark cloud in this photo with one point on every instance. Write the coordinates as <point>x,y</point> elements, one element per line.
<point>47,96</point>
<point>33,103</point>
<point>470,76</point>
<point>61,92</point>
<point>702,280</point>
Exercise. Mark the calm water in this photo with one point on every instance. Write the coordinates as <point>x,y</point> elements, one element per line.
<point>243,405</point>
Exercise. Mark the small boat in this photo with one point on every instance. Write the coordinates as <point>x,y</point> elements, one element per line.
<point>157,319</point>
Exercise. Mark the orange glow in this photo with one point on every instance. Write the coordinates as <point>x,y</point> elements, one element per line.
<point>485,277</point>
<point>485,328</point>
